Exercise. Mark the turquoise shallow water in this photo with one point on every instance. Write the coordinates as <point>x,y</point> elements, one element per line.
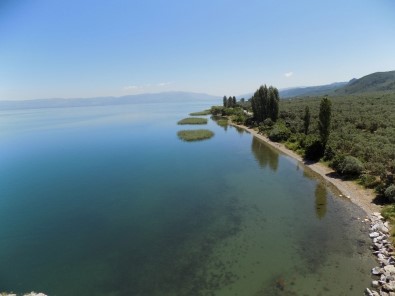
<point>108,201</point>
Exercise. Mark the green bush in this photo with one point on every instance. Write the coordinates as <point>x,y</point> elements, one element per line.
<point>268,122</point>
<point>279,133</point>
<point>347,165</point>
<point>239,118</point>
<point>337,163</point>
<point>329,153</point>
<point>352,166</point>
<point>389,193</point>
<point>369,181</point>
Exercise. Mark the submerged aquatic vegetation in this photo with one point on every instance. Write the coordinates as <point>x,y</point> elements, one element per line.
<point>195,135</point>
<point>200,113</point>
<point>192,120</point>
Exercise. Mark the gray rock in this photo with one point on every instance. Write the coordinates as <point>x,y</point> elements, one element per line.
<point>381,256</point>
<point>390,269</point>
<point>377,270</point>
<point>389,286</point>
<point>374,234</point>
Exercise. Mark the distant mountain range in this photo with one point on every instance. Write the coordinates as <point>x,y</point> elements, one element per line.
<point>311,90</point>
<point>105,101</point>
<point>375,82</point>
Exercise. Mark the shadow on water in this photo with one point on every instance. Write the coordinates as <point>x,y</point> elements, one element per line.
<point>221,121</point>
<point>320,200</point>
<point>240,130</point>
<point>264,155</point>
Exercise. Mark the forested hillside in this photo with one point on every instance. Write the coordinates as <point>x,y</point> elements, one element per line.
<point>379,81</point>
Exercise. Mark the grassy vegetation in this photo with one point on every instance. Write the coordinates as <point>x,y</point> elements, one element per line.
<point>201,113</point>
<point>220,120</point>
<point>195,135</point>
<point>193,120</point>
<point>388,213</point>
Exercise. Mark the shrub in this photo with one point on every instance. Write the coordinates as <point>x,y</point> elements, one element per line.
<point>268,122</point>
<point>337,162</point>
<point>347,165</point>
<point>369,181</point>
<point>216,110</point>
<point>352,166</point>
<point>279,133</point>
<point>239,118</point>
<point>389,193</point>
<point>329,153</point>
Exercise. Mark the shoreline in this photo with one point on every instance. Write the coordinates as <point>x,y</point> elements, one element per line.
<point>358,195</point>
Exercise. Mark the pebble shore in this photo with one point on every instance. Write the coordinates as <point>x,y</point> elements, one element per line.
<point>384,274</point>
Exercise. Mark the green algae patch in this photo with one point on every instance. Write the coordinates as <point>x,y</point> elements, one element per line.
<point>195,135</point>
<point>193,120</point>
<point>200,113</point>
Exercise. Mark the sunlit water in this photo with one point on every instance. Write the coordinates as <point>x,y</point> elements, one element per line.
<point>108,201</point>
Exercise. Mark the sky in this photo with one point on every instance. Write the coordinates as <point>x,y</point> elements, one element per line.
<point>91,48</point>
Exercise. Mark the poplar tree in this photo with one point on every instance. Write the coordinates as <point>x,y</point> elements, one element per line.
<point>306,120</point>
<point>265,103</point>
<point>324,120</point>
<point>273,102</point>
<point>225,101</point>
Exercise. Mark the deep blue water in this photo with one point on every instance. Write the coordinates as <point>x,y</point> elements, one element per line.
<point>108,201</point>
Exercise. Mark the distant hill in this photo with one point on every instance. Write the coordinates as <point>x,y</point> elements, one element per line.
<point>105,101</point>
<point>311,90</point>
<point>375,82</point>
<point>304,91</point>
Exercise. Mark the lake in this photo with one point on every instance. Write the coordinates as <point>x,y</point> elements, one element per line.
<point>108,201</point>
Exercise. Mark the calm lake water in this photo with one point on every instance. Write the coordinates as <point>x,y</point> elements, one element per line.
<point>108,201</point>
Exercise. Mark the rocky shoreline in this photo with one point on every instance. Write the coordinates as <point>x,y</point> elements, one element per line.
<point>384,274</point>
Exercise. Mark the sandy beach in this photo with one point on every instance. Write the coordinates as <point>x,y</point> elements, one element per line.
<point>357,194</point>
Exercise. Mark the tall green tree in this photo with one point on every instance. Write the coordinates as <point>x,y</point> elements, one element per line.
<point>230,102</point>
<point>234,101</point>
<point>273,102</point>
<point>265,103</point>
<point>306,120</point>
<point>324,120</point>
<point>225,101</point>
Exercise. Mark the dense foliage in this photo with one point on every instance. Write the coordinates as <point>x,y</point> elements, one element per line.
<point>324,120</point>
<point>361,143</point>
<point>354,134</point>
<point>265,103</point>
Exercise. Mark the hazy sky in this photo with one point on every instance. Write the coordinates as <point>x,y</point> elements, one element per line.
<point>83,48</point>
